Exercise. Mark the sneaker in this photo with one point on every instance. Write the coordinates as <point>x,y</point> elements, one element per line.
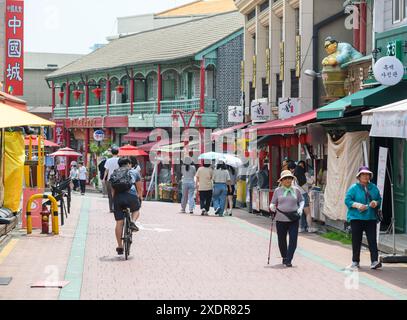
<point>312,230</point>
<point>376,265</point>
<point>301,230</point>
<point>191,212</point>
<point>203,212</point>
<point>119,251</point>
<point>182,211</point>
<point>288,264</point>
<point>217,211</point>
<point>133,227</point>
<point>354,266</point>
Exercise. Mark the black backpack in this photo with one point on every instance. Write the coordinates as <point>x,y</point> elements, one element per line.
<point>121,180</point>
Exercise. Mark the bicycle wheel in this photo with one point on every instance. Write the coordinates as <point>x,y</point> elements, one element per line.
<point>127,237</point>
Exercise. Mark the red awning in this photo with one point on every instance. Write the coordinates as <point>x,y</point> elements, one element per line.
<point>286,126</point>
<point>219,133</point>
<point>137,136</point>
<point>34,142</point>
<point>148,146</point>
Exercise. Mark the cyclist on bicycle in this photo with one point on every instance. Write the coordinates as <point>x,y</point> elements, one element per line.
<point>122,183</point>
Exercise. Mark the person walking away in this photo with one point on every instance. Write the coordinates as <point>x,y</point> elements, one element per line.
<point>287,206</point>
<point>188,172</point>
<point>301,179</point>
<point>74,176</point>
<point>111,165</point>
<point>52,177</point>
<point>204,186</point>
<point>231,190</point>
<point>83,176</point>
<point>102,170</point>
<point>221,186</point>
<point>363,200</point>
<point>121,182</point>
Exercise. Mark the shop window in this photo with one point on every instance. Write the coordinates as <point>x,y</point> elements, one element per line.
<point>265,88</point>
<point>397,10</point>
<point>279,88</point>
<point>295,89</point>
<point>125,95</point>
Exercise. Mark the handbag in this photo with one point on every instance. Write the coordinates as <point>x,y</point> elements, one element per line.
<point>292,216</point>
<point>377,210</point>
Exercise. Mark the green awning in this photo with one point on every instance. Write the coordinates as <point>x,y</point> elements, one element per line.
<point>335,109</point>
<point>372,97</point>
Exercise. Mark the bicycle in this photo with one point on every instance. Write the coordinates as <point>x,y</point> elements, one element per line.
<point>127,233</point>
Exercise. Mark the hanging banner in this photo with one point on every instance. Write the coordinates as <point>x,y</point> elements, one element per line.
<point>59,133</point>
<point>268,66</point>
<point>260,110</point>
<point>288,107</point>
<point>14,48</point>
<point>282,61</point>
<point>298,56</point>
<point>254,72</point>
<point>381,169</point>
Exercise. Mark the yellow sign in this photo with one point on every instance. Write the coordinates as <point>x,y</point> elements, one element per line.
<point>282,60</point>
<point>242,76</point>
<point>298,56</point>
<point>268,66</point>
<point>254,72</point>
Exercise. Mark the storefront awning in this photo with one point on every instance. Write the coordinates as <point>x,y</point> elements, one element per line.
<point>12,117</point>
<point>371,97</point>
<point>229,130</point>
<point>34,142</point>
<point>388,121</point>
<point>137,136</point>
<point>286,126</point>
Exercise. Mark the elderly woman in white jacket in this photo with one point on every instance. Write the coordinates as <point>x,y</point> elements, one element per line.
<point>287,207</point>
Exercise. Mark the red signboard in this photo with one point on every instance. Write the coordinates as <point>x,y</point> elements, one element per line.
<point>60,133</point>
<point>14,65</point>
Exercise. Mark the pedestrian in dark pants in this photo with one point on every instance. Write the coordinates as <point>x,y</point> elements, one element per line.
<point>83,175</point>
<point>111,165</point>
<point>204,186</point>
<point>287,206</point>
<point>363,199</point>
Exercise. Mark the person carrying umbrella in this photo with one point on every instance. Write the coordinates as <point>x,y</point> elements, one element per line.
<point>286,206</point>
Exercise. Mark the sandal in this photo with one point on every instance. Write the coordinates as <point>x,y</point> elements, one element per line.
<point>119,251</point>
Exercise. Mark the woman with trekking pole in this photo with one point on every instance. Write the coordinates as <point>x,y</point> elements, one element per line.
<point>287,206</point>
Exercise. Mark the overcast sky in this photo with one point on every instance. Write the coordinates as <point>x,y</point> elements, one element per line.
<point>73,26</point>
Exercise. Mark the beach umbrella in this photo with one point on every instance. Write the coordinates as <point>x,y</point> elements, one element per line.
<point>66,152</point>
<point>129,150</point>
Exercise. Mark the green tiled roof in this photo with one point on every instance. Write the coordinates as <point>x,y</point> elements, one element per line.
<point>180,41</point>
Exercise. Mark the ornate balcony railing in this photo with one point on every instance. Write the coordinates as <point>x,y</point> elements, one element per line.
<point>145,107</point>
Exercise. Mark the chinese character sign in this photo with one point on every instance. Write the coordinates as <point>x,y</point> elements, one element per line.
<point>14,63</point>
<point>235,114</point>
<point>287,107</point>
<point>260,110</point>
<point>59,133</point>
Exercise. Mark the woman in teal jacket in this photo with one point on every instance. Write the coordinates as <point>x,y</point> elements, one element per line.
<point>363,200</point>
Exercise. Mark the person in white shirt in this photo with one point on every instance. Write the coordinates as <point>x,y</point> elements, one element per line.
<point>74,176</point>
<point>111,165</point>
<point>83,175</point>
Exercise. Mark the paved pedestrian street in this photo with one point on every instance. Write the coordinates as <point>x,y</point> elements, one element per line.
<point>184,256</point>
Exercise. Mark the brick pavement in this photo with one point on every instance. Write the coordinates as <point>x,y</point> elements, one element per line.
<point>180,256</point>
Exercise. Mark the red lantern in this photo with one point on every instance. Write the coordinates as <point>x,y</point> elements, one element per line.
<point>97,92</point>
<point>77,94</point>
<point>120,89</point>
<point>294,140</point>
<point>61,95</point>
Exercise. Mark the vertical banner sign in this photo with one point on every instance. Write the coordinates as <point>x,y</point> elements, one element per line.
<point>298,56</point>
<point>14,47</point>
<point>282,61</point>
<point>268,66</point>
<point>254,73</point>
<point>242,76</point>
<point>381,178</point>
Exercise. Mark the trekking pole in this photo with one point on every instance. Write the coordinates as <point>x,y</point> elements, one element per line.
<point>271,232</point>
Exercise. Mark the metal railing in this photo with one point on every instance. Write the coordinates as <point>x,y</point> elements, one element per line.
<point>145,107</point>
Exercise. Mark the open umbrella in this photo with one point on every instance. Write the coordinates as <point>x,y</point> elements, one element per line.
<point>13,117</point>
<point>129,150</point>
<point>34,142</point>
<point>211,156</point>
<point>66,152</point>
<point>232,160</point>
